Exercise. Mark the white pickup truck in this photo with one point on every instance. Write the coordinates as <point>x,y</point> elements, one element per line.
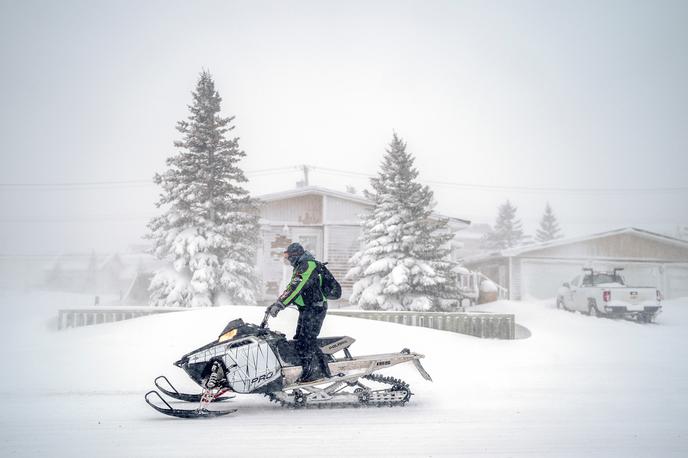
<point>606,294</point>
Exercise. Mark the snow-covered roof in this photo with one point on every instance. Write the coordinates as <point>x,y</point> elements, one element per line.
<point>320,191</point>
<point>518,251</point>
<point>313,190</point>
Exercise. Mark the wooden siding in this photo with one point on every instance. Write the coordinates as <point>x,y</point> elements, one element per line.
<point>270,265</point>
<point>515,291</point>
<point>343,211</point>
<point>296,210</point>
<point>616,246</point>
<point>343,243</point>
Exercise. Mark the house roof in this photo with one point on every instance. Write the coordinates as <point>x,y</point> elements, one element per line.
<point>318,190</point>
<point>518,251</point>
<point>313,190</point>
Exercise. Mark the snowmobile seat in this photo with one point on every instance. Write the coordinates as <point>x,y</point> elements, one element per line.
<point>328,345</point>
<point>331,345</point>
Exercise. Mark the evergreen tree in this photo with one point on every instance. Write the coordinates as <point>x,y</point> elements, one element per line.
<point>549,227</point>
<point>507,232</point>
<point>91,273</point>
<point>682,232</point>
<point>209,229</point>
<point>405,261</point>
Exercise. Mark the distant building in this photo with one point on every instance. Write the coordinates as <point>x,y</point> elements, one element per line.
<point>324,221</point>
<point>469,241</point>
<point>538,270</point>
<point>97,274</point>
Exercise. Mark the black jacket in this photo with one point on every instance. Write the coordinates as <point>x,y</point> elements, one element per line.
<point>304,287</point>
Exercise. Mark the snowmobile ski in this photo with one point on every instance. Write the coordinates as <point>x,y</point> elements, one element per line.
<point>185,396</point>
<point>185,413</point>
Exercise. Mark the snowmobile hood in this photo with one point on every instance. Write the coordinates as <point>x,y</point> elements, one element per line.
<point>235,329</point>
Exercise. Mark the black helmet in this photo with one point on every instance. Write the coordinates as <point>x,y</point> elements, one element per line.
<point>293,252</point>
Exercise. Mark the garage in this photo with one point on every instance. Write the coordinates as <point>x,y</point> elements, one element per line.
<point>536,271</point>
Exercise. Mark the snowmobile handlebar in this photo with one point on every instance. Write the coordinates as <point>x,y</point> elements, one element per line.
<point>264,323</point>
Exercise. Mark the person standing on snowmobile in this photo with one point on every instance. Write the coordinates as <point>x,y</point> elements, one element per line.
<point>304,290</point>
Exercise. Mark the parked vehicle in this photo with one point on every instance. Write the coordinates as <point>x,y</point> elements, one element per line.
<point>606,294</point>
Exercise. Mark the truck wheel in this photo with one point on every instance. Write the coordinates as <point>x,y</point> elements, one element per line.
<point>592,310</point>
<point>561,305</point>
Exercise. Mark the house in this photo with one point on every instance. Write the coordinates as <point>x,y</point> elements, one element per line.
<point>97,274</point>
<point>326,222</point>
<point>538,270</point>
<point>470,240</point>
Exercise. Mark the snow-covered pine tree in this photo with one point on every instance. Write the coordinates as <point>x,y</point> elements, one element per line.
<point>209,228</point>
<point>549,226</point>
<point>507,232</point>
<point>404,264</point>
<point>681,232</point>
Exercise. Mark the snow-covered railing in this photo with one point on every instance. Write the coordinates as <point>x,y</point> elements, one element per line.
<point>74,318</point>
<point>470,282</point>
<point>477,324</point>
<point>502,292</point>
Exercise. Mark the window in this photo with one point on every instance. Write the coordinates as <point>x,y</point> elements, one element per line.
<point>608,278</point>
<point>310,243</point>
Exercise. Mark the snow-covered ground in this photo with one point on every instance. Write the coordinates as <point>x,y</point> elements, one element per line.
<point>579,386</point>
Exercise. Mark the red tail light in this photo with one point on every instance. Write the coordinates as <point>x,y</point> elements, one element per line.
<point>607,296</point>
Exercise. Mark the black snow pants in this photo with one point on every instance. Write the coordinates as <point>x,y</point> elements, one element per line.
<point>310,322</point>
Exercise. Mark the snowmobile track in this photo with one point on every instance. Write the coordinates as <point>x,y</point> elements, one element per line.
<point>395,384</point>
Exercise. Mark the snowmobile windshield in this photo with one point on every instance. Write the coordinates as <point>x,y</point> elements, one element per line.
<point>232,326</point>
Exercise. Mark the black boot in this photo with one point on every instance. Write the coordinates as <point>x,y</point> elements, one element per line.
<point>307,372</point>
<point>324,365</point>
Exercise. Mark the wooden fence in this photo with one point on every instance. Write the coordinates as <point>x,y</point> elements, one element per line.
<point>74,318</point>
<point>477,324</point>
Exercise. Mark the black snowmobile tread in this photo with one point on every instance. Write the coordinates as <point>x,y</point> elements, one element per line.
<point>184,396</point>
<point>185,413</point>
<point>394,382</point>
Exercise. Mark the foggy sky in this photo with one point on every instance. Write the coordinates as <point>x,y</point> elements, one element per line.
<point>512,94</point>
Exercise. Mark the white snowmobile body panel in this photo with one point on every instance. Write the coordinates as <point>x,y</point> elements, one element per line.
<point>351,369</point>
<point>250,363</point>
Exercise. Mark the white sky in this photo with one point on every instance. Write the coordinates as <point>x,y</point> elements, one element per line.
<point>513,94</point>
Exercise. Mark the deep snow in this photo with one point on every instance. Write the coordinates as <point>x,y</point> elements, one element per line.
<point>579,386</point>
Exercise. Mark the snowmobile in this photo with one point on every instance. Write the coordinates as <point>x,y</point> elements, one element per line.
<point>247,358</point>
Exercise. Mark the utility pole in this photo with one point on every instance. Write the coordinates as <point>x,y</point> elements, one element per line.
<point>305,174</point>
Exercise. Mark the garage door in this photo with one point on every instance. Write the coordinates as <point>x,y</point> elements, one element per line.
<point>676,282</point>
<point>542,279</point>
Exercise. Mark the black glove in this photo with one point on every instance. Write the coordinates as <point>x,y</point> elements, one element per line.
<point>275,308</point>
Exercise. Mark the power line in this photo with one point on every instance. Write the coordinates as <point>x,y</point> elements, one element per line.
<point>513,188</point>
<point>77,219</point>
<point>126,183</point>
<point>333,171</point>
